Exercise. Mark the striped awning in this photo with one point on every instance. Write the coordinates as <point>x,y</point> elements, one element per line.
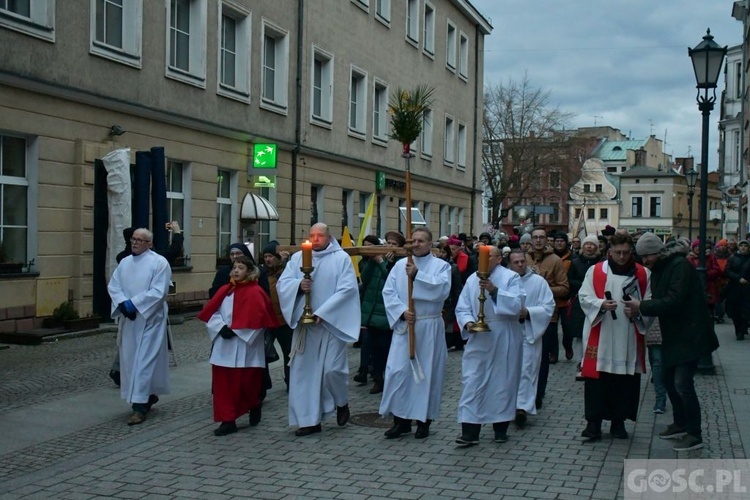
<point>256,207</point>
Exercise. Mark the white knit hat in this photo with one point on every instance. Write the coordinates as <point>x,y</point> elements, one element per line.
<point>592,238</point>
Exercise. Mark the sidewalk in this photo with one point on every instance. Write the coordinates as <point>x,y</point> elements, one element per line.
<point>64,436</point>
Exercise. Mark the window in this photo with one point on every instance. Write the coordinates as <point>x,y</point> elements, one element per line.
<point>364,203</point>
<point>322,87</point>
<point>636,206</point>
<point>462,145</point>
<point>587,188</point>
<point>463,56</point>
<point>598,188</point>
<point>412,21</point>
<point>15,216</point>
<point>266,228</point>
<point>654,209</point>
<point>450,47</point>
<point>429,29</point>
<point>383,11</point>
<point>31,17</point>
<point>427,133</point>
<point>363,4</point>
<point>603,213</point>
<point>186,41</point>
<point>736,161</point>
<point>234,53</point>
<point>225,211</point>
<point>554,179</point>
<point>555,215</point>
<point>738,80</point>
<point>346,209</point>
<point>380,112</point>
<point>178,190</point>
<point>427,214</point>
<point>449,140</point>
<point>275,68</point>
<point>357,101</point>
<point>590,213</point>
<point>577,213</point>
<point>316,204</point>
<point>116,30</point>
<point>401,221</point>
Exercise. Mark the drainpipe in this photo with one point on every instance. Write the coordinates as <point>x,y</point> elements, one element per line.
<point>298,121</point>
<point>478,86</point>
<point>740,224</point>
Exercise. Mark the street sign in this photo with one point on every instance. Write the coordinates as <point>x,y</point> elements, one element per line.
<point>264,156</point>
<point>264,181</point>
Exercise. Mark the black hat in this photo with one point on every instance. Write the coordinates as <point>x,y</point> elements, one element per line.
<point>561,236</point>
<point>271,247</point>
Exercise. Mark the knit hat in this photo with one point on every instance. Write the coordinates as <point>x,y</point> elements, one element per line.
<point>395,235</point>
<point>525,238</point>
<point>649,244</point>
<point>452,241</point>
<point>592,238</point>
<point>514,238</point>
<point>485,235</point>
<point>695,243</point>
<point>271,248</point>
<point>506,250</point>
<point>722,243</point>
<point>561,236</point>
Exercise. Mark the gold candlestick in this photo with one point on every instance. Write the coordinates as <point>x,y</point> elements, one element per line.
<point>480,325</point>
<point>307,316</point>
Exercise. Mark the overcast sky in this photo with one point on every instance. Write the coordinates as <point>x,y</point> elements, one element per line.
<point>621,63</point>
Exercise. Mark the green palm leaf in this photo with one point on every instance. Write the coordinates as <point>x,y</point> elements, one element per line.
<point>407,110</point>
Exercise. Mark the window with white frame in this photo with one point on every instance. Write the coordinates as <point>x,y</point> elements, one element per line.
<point>412,21</point>
<point>347,208</point>
<point>450,46</point>
<point>382,208</point>
<point>427,133</point>
<point>186,41</point>
<point>463,56</point>
<point>654,209</point>
<point>427,214</point>
<point>178,196</point>
<point>363,4</point>
<point>383,11</point>
<point>429,29</point>
<point>31,17</point>
<point>591,213</point>
<point>736,161</point>
<point>225,197</point>
<point>16,220</point>
<point>275,68</point>
<point>357,101</point>
<point>116,30</point>
<point>461,160</point>
<point>322,87</point>
<point>636,206</point>
<point>316,204</point>
<point>265,228</point>
<point>364,204</point>
<point>443,220</point>
<point>380,112</point>
<point>449,139</point>
<point>234,52</point>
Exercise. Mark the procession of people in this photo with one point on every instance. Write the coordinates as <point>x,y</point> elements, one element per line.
<point>498,300</point>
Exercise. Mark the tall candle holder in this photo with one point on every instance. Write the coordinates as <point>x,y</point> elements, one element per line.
<point>307,316</point>
<point>480,325</point>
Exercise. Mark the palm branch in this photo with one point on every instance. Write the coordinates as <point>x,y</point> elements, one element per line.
<point>407,110</point>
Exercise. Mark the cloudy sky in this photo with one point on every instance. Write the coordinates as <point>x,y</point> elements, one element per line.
<point>621,63</point>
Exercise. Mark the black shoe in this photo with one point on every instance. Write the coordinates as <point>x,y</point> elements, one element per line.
<point>152,400</point>
<point>115,376</point>
<point>226,428</point>
<point>423,429</point>
<point>501,431</point>
<point>306,431</point>
<point>469,435</point>
<point>342,415</point>
<point>520,418</point>
<point>568,353</point>
<point>538,402</point>
<point>552,359</point>
<point>255,415</point>
<point>617,430</point>
<point>400,427</point>
<point>592,432</point>
<point>361,378</point>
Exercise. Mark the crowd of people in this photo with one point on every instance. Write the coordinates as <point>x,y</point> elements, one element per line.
<point>619,300</point>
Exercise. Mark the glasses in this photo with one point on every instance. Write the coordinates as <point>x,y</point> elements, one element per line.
<point>538,237</point>
<point>139,241</point>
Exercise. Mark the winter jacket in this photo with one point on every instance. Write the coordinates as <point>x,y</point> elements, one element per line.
<point>576,275</point>
<point>737,295</point>
<point>373,308</point>
<point>550,267</point>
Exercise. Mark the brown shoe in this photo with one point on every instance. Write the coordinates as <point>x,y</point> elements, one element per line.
<point>377,388</point>
<point>137,418</point>
<point>342,415</point>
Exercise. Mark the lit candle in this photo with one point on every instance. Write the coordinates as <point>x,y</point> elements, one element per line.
<point>484,259</point>
<point>307,254</point>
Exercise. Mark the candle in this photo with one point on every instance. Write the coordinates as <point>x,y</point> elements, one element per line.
<point>484,259</point>
<point>307,254</point>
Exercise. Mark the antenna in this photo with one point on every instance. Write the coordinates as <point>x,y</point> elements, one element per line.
<point>651,126</point>
<point>595,117</point>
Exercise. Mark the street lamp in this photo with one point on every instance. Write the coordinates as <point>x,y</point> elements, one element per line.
<point>690,177</point>
<point>707,58</point>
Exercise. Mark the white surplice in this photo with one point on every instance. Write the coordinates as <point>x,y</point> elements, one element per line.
<point>144,363</point>
<point>245,350</point>
<point>491,364</point>
<point>319,369</point>
<point>403,396</point>
<point>541,306</point>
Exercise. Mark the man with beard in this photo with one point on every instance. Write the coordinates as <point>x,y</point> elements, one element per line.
<point>615,353</point>
<point>687,334</point>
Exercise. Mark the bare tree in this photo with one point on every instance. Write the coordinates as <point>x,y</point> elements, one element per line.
<point>521,143</point>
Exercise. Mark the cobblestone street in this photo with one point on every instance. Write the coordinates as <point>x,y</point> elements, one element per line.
<point>64,436</point>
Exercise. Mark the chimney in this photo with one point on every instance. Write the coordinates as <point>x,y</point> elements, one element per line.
<point>640,157</point>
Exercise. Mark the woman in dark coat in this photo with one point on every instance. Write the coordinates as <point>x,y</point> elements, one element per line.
<point>738,289</point>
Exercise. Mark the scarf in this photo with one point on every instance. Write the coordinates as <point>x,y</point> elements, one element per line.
<point>627,269</point>
<point>252,307</point>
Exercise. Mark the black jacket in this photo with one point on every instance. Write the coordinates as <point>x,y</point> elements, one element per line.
<point>576,274</point>
<point>679,300</point>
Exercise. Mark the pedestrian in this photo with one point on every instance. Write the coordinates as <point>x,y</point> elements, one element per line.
<point>524,242</point>
<point>615,353</point>
<point>687,332</point>
<point>222,275</point>
<point>236,318</point>
<point>319,366</point>
<point>413,387</point>
<point>712,272</point>
<point>562,250</point>
<point>536,313</point>
<point>365,343</point>
<point>721,252</point>
<point>738,289</point>
<point>575,245</point>
<point>138,289</point>
<point>453,339</point>
<point>274,262</point>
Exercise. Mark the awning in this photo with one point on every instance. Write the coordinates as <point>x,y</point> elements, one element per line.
<point>256,207</point>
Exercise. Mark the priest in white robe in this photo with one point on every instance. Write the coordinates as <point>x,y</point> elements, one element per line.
<point>413,388</point>
<point>319,366</point>
<point>537,311</point>
<point>491,365</point>
<point>614,344</point>
<point>138,289</point>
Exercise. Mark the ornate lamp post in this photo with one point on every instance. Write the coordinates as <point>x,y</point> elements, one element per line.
<point>690,177</point>
<point>707,58</point>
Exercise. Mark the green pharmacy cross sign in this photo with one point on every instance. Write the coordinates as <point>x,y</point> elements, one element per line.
<point>264,156</point>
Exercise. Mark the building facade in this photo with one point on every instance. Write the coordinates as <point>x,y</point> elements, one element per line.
<point>207,80</point>
<point>731,173</point>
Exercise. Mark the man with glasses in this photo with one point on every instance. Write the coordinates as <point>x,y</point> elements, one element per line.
<point>543,261</point>
<point>138,289</point>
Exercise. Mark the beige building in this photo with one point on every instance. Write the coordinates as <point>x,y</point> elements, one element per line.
<point>207,80</point>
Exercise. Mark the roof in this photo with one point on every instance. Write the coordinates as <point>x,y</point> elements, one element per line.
<point>641,171</point>
<point>617,150</point>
